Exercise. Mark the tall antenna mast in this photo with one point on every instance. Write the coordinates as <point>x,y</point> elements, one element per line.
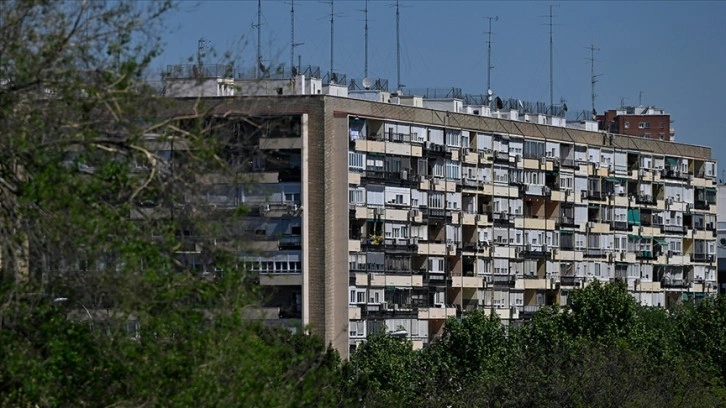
<point>552,97</point>
<point>398,47</point>
<point>365,69</point>
<point>200,54</point>
<point>292,34</point>
<point>489,53</point>
<point>258,64</point>
<point>593,77</point>
<point>332,20</point>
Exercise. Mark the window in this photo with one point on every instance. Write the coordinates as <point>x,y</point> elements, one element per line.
<point>661,136</point>
<point>453,138</point>
<point>436,264</point>
<point>662,125</point>
<point>356,195</point>
<point>436,199</point>
<point>292,197</point>
<point>646,135</point>
<point>453,170</point>
<point>356,160</point>
<point>534,150</point>
<point>626,125</point>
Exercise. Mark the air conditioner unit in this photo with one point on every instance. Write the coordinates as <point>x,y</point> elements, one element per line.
<point>690,178</point>
<point>542,160</point>
<point>622,256</point>
<point>583,193</point>
<point>669,201</point>
<point>641,172</point>
<point>546,191</point>
<point>669,253</point>
<point>611,257</point>
<point>590,224</point>
<point>529,247</point>
<point>477,218</point>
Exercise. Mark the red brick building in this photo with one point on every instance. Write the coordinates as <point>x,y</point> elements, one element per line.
<point>645,121</point>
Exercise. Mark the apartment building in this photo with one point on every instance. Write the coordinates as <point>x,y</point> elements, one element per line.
<point>644,121</point>
<point>384,212</point>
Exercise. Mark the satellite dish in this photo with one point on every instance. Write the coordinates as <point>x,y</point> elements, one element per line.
<point>722,242</point>
<point>366,83</point>
<point>520,104</point>
<point>564,107</point>
<point>294,70</point>
<point>489,92</point>
<point>498,103</point>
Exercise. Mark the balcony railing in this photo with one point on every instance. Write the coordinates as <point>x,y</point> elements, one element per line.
<point>645,199</point>
<point>502,280</point>
<point>675,229</point>
<point>620,226</point>
<point>646,255</point>
<point>595,252</point>
<point>674,283</point>
<point>702,205</point>
<point>571,280</point>
<point>565,221</point>
<point>535,252</point>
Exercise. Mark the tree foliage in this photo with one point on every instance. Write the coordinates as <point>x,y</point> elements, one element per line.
<point>603,350</point>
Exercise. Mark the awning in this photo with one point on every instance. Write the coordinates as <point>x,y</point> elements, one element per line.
<point>672,161</point>
<point>614,179</point>
<point>711,190</point>
<point>634,216</point>
<point>660,241</point>
<point>566,232</point>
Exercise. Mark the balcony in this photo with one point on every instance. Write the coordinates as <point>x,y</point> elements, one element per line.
<point>572,281</point>
<point>436,313</point>
<point>502,280</point>
<point>374,174</point>
<point>389,310</point>
<point>528,311</point>
<point>673,174</point>
<point>668,282</point>
<point>674,229</point>
<point>647,255</point>
<point>501,219</point>
<point>702,205</point>
<point>620,226</point>
<point>595,195</point>
<point>535,252</point>
<point>435,150</point>
<point>404,245</point>
<point>594,253</point>
<point>699,257</point>
<point>569,163</point>
<point>645,199</point>
<point>567,222</point>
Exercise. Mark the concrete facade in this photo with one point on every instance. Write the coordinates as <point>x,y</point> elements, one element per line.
<point>411,215</point>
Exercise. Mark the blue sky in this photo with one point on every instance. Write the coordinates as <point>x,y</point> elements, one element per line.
<point>670,54</point>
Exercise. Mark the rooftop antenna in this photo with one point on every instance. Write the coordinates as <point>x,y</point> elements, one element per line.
<point>365,66</point>
<point>258,66</point>
<point>332,21</point>
<point>489,52</point>
<point>200,53</point>
<point>398,47</point>
<point>640,98</point>
<point>293,44</point>
<point>593,77</point>
<point>552,98</point>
